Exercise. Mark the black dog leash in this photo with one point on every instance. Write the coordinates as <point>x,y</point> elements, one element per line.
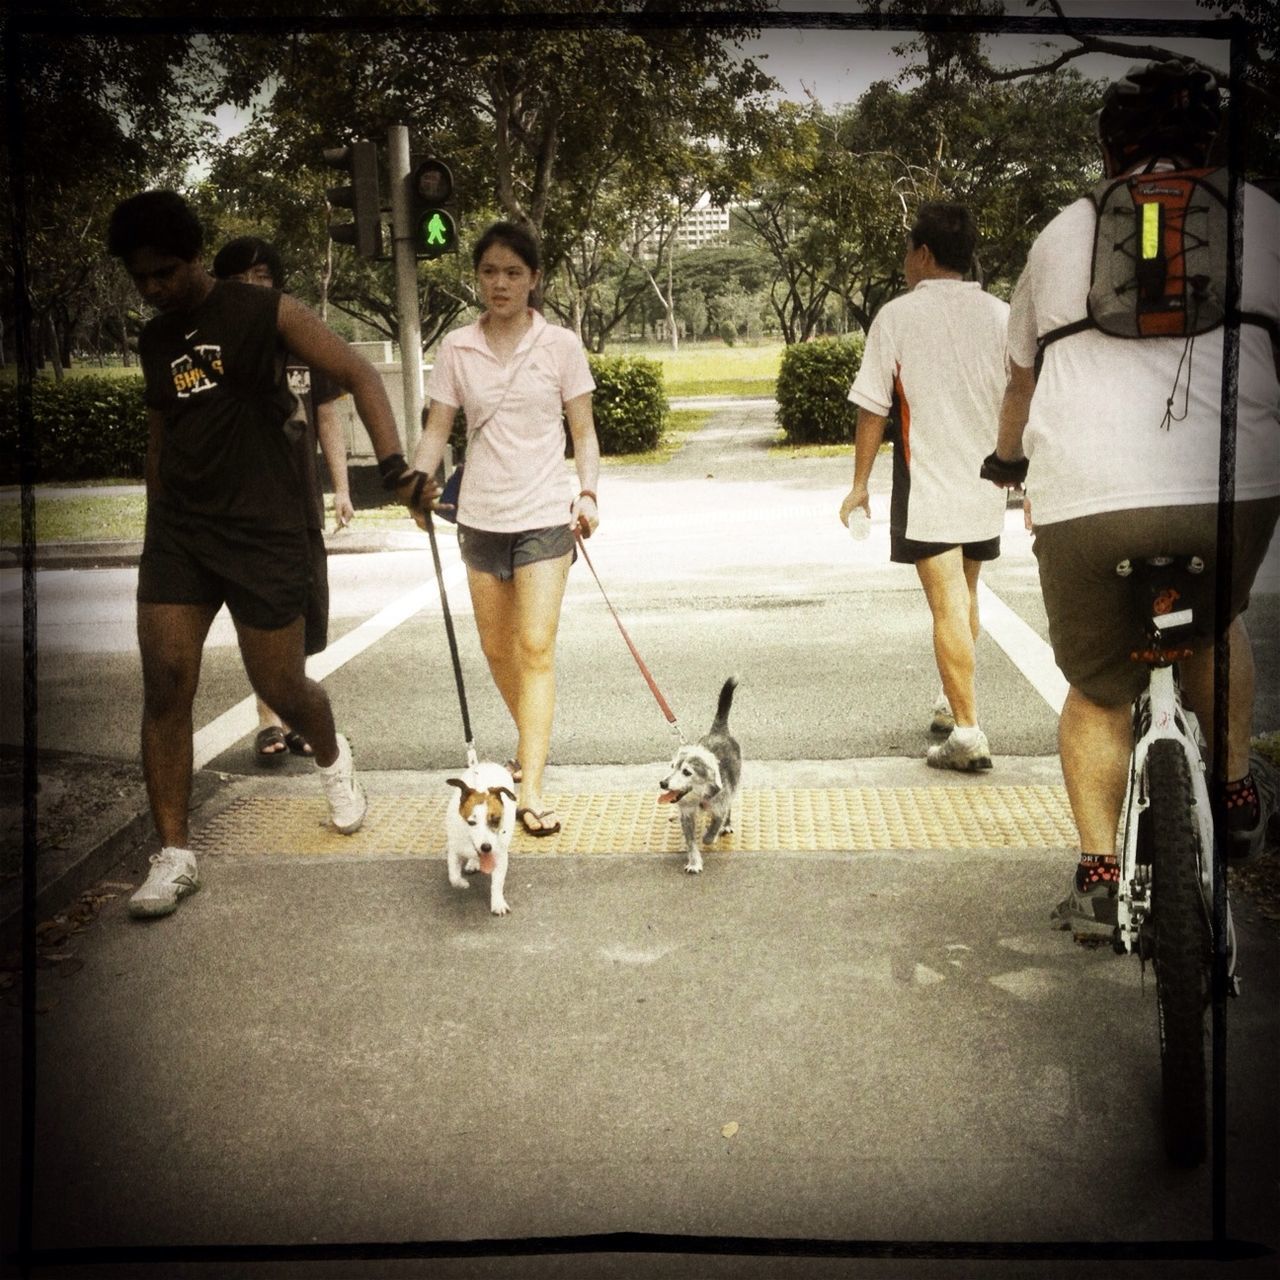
<point>472,758</point>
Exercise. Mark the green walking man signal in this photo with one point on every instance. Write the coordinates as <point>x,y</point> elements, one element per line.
<point>435,231</point>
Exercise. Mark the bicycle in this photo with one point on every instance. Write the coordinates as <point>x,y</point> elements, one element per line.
<point>1164,903</point>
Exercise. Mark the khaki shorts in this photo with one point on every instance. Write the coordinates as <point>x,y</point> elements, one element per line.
<point>501,554</point>
<point>1095,618</point>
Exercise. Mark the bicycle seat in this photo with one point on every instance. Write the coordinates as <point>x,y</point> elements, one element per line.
<point>1160,586</point>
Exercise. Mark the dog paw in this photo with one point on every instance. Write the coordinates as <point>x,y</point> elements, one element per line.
<point>459,883</point>
<point>471,865</point>
<point>499,908</point>
<point>693,868</point>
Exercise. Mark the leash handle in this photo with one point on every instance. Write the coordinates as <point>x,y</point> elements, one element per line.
<point>635,653</point>
<point>453,639</point>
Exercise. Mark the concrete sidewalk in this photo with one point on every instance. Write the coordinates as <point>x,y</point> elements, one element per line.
<point>838,1045</point>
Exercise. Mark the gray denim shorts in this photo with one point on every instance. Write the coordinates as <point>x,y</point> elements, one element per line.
<point>501,554</point>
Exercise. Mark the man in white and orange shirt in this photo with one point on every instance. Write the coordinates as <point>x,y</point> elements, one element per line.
<point>937,353</point>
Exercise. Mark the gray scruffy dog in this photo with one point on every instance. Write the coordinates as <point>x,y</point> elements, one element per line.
<point>705,775</point>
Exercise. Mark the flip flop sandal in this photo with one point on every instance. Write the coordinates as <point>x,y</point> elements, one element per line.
<point>513,768</point>
<point>270,746</point>
<point>298,744</point>
<point>539,816</point>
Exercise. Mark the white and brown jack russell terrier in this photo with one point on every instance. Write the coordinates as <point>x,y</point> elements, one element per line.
<point>480,823</point>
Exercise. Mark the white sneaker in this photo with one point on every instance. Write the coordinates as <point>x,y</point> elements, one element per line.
<point>943,718</point>
<point>173,874</point>
<point>346,797</point>
<point>966,753</point>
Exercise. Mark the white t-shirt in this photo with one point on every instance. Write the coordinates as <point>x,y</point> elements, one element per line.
<point>1094,436</point>
<point>515,478</point>
<point>941,347</point>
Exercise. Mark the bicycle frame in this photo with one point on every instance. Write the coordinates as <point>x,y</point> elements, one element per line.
<point>1158,714</point>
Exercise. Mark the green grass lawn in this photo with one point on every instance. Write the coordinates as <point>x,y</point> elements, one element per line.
<point>711,368</point>
<point>697,369</point>
<point>122,518</point>
<point>10,372</point>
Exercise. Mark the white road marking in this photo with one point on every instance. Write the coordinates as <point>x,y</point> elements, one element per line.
<point>224,732</point>
<point>1027,651</point>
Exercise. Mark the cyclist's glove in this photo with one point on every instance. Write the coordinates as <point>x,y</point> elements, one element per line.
<point>1002,473</point>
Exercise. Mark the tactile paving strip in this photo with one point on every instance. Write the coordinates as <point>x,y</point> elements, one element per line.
<point>766,821</point>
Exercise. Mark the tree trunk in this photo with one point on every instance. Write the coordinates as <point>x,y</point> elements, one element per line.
<point>126,356</point>
<point>669,300</point>
<point>55,355</point>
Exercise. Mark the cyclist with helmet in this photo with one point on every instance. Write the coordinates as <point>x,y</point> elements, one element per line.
<point>1119,441</point>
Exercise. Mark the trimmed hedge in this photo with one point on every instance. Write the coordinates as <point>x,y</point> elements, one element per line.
<point>630,403</point>
<point>86,428</point>
<point>93,428</point>
<point>813,390</point>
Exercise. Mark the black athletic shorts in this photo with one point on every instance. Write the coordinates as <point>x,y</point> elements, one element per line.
<point>264,577</point>
<point>903,550</point>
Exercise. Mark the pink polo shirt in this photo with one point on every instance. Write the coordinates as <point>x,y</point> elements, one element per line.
<point>515,478</point>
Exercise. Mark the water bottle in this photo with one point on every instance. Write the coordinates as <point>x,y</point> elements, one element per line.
<point>859,525</point>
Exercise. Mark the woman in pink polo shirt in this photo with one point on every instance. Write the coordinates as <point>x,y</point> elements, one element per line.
<point>519,379</point>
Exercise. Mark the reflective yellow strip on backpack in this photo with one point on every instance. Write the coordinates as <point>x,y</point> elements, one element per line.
<point>1151,230</point>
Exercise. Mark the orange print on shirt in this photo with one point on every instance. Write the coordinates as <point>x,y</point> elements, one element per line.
<point>904,412</point>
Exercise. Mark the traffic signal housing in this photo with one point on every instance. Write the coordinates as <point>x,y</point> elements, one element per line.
<point>361,196</point>
<point>434,227</point>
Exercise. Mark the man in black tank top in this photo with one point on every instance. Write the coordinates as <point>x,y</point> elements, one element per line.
<point>227,510</point>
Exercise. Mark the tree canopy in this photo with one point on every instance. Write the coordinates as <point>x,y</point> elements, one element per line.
<point>598,131</point>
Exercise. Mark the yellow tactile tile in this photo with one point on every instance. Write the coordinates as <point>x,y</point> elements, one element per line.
<point>781,820</point>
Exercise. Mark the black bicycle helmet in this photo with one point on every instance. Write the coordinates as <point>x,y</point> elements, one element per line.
<point>1171,108</point>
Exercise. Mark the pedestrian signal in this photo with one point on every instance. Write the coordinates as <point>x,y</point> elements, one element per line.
<point>434,228</point>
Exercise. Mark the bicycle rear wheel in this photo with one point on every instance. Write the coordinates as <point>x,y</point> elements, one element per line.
<point>1182,952</point>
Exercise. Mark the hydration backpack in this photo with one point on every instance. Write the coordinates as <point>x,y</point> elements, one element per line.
<point>1159,257</point>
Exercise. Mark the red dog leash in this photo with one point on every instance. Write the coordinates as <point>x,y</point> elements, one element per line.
<point>635,653</point>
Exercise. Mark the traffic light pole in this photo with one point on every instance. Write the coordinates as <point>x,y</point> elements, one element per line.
<point>406,269</point>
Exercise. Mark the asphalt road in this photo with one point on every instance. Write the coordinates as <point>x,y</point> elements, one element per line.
<point>728,559</point>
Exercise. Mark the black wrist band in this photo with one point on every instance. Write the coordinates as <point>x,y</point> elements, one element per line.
<point>392,465</point>
<point>1001,471</point>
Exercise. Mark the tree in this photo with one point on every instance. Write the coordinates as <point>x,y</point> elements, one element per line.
<point>1014,153</point>
<point>544,124</point>
<point>98,122</point>
<point>952,52</point>
<point>794,214</point>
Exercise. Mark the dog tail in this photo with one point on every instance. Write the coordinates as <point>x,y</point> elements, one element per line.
<point>721,722</point>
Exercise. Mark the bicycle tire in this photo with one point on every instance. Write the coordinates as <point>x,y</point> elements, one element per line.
<point>1182,953</point>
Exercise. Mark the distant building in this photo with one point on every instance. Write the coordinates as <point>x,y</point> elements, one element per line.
<point>705,223</point>
<point>702,225</point>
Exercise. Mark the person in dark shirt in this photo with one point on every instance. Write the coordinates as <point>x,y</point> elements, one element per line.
<point>251,260</point>
<point>227,510</point>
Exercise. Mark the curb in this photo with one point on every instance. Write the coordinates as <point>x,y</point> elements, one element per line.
<point>61,889</point>
<point>115,555</point>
